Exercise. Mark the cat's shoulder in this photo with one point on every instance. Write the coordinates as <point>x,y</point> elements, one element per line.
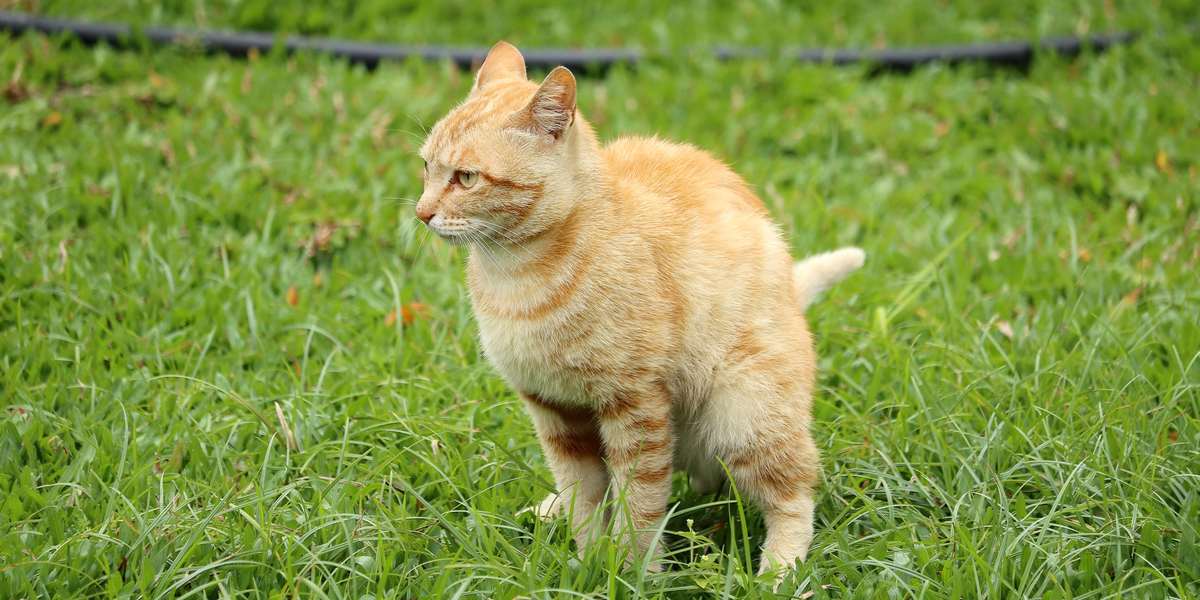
<point>679,171</point>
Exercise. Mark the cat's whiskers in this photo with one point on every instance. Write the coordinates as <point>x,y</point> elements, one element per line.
<point>494,229</point>
<point>405,200</point>
<point>490,249</point>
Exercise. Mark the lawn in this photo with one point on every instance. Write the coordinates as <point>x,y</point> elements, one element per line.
<point>233,365</point>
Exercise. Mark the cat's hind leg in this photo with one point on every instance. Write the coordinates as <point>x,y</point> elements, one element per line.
<point>781,477</point>
<point>759,425</point>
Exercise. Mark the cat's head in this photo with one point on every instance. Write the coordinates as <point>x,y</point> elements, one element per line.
<point>502,166</point>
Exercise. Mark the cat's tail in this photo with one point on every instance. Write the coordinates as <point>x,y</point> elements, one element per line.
<point>816,273</point>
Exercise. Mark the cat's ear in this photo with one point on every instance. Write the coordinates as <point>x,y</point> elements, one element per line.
<point>552,109</point>
<point>503,61</point>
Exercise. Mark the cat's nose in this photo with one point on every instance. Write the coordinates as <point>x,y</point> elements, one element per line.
<point>425,214</point>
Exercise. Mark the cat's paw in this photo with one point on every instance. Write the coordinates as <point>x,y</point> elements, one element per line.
<point>546,510</point>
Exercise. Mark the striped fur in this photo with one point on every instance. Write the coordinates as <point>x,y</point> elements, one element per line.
<point>640,300</point>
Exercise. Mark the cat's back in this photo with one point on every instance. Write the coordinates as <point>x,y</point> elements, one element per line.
<point>680,174</point>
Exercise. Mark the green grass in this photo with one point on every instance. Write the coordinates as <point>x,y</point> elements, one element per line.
<point>654,26</point>
<point>1010,395</point>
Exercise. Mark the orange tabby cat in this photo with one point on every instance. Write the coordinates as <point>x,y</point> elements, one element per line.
<point>639,299</point>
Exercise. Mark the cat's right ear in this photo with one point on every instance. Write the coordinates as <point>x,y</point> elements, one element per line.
<point>503,61</point>
<point>552,109</point>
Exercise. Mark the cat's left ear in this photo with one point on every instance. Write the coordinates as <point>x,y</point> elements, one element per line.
<point>503,61</point>
<point>552,109</point>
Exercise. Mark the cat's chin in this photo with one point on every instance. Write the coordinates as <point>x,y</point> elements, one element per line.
<point>454,239</point>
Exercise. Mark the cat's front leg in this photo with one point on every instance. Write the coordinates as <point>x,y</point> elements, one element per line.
<point>638,445</point>
<point>571,444</point>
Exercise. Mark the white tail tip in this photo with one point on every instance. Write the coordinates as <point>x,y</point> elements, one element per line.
<point>817,273</point>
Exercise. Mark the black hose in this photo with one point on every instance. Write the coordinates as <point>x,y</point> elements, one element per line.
<point>1018,54</point>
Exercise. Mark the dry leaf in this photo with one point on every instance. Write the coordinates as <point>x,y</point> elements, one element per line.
<point>1085,255</point>
<point>412,310</point>
<point>1132,297</point>
<point>381,120</point>
<point>168,152</point>
<point>319,242</point>
<point>318,279</point>
<point>63,256</point>
<point>390,319</point>
<point>1162,162</point>
<point>941,129</point>
<point>1004,328</point>
<point>52,120</point>
<point>293,297</point>
<point>1010,240</point>
<point>285,429</point>
<point>16,92</point>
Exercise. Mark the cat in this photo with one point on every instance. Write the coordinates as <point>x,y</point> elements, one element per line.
<point>640,301</point>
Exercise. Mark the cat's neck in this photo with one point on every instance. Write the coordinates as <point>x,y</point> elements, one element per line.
<point>547,250</point>
<point>553,236</point>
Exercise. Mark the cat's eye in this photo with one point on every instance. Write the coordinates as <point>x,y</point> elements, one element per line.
<point>467,179</point>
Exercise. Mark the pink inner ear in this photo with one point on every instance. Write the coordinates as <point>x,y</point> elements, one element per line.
<point>553,106</point>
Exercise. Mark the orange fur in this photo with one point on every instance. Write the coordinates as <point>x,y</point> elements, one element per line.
<point>639,298</point>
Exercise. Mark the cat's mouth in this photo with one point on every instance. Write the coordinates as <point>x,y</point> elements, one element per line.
<point>452,232</point>
<point>456,230</point>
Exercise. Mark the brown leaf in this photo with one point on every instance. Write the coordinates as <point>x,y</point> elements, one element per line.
<point>293,297</point>
<point>390,319</point>
<point>319,242</point>
<point>1010,240</point>
<point>16,92</point>
<point>941,129</point>
<point>1132,297</point>
<point>412,310</point>
<point>53,119</point>
<point>1173,435</point>
<point>1162,162</point>
<point>168,153</point>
